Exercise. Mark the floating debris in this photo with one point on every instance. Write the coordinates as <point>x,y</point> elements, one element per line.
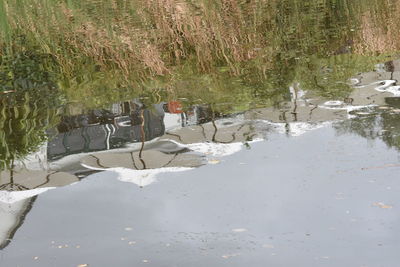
<point>214,161</point>
<point>382,205</point>
<point>230,255</point>
<point>381,167</point>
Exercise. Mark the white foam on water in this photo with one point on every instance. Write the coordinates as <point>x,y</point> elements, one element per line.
<point>385,86</point>
<point>389,87</point>
<point>333,103</point>
<point>300,128</point>
<point>339,105</point>
<point>297,128</point>
<point>395,90</point>
<point>216,149</point>
<point>354,81</point>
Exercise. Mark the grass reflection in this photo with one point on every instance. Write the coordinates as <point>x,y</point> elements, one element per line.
<point>112,50</point>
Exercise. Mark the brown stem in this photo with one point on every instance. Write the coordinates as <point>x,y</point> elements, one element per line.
<point>143,138</point>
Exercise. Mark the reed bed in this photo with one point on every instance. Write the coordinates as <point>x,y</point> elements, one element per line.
<point>112,46</point>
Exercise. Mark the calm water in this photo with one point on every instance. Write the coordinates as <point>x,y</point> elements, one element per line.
<point>180,133</point>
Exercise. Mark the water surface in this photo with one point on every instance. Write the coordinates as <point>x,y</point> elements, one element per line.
<point>175,133</point>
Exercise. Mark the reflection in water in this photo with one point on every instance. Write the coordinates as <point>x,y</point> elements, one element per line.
<point>12,217</point>
<point>134,136</point>
<point>381,121</point>
<point>133,142</point>
<point>136,88</point>
<point>237,52</point>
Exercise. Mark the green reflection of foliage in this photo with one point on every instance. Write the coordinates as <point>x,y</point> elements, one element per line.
<point>28,71</point>
<point>28,104</point>
<point>391,124</point>
<point>379,125</point>
<point>329,76</point>
<point>23,127</point>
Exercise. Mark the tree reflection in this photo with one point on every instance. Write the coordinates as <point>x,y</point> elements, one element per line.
<point>28,109</point>
<point>382,124</point>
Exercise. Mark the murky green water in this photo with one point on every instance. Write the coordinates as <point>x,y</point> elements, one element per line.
<point>171,96</point>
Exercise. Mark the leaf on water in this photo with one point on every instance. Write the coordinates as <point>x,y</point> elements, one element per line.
<point>214,161</point>
<point>381,167</point>
<point>382,205</point>
<point>227,256</point>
